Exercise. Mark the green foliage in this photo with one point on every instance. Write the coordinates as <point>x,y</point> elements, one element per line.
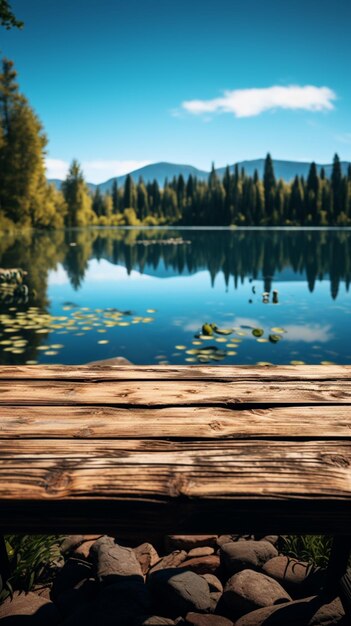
<point>78,200</point>
<point>7,17</point>
<point>31,558</point>
<point>25,196</point>
<point>315,549</point>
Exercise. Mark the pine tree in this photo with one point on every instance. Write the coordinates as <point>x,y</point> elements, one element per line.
<point>336,185</point>
<point>129,198</point>
<point>115,196</point>
<point>23,187</point>
<point>269,187</point>
<point>78,200</point>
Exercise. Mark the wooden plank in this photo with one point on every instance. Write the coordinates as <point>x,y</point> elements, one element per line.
<point>144,469</point>
<point>149,393</point>
<point>66,422</point>
<point>182,372</point>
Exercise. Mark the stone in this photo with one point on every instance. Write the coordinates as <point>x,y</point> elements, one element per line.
<point>202,551</point>
<point>84,593</point>
<point>203,564</point>
<point>69,576</point>
<point>246,554</point>
<point>249,590</point>
<point>176,592</point>
<point>273,539</point>
<point>39,611</point>
<point>215,598</point>
<point>307,612</point>
<point>198,619</point>
<point>299,578</point>
<point>174,559</point>
<point>188,542</point>
<point>147,556</point>
<point>70,543</point>
<point>213,582</point>
<point>116,360</point>
<point>114,560</point>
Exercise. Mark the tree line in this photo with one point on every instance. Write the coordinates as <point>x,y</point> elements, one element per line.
<point>235,198</point>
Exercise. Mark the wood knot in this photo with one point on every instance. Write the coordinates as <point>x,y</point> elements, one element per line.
<point>336,459</point>
<point>177,486</point>
<point>215,425</point>
<point>56,482</point>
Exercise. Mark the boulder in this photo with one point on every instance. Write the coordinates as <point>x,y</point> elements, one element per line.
<point>307,612</point>
<point>249,590</point>
<point>147,556</point>
<point>170,560</point>
<point>113,560</point>
<point>188,542</point>
<point>300,579</point>
<point>29,608</point>
<point>213,582</point>
<point>202,551</point>
<point>176,592</point>
<point>246,554</point>
<point>69,576</point>
<point>198,619</point>
<point>203,564</point>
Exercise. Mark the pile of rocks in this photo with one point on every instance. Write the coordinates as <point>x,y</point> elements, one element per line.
<point>194,580</point>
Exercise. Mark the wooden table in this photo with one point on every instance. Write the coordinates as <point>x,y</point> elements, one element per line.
<point>176,449</point>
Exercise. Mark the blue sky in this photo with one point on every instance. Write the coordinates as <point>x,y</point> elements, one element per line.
<point>118,84</point>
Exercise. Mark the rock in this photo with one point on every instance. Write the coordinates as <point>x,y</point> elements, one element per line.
<point>300,579</point>
<point>213,582</point>
<point>126,600</point>
<point>114,560</point>
<point>215,598</point>
<point>249,590</point>
<point>70,543</point>
<point>202,551</point>
<point>203,564</point>
<point>116,360</point>
<point>147,556</point>
<point>171,560</point>
<point>69,576</point>
<point>273,539</point>
<point>38,610</point>
<point>307,612</point>
<point>188,542</point>
<point>198,619</point>
<point>246,554</point>
<point>176,592</point>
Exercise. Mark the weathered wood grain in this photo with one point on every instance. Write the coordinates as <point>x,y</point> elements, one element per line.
<point>183,422</point>
<point>144,469</point>
<point>158,393</point>
<point>181,372</point>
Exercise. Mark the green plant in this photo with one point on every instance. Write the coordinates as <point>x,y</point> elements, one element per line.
<point>315,549</point>
<point>32,557</point>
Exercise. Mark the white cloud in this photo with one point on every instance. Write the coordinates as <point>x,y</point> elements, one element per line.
<point>308,334</point>
<point>252,102</point>
<point>94,171</point>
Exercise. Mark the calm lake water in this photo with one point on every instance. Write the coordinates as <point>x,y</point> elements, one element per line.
<point>145,294</point>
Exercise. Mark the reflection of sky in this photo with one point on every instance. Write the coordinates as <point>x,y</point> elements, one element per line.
<point>316,326</point>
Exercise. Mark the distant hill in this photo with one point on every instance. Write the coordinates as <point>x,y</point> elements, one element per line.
<point>286,170</point>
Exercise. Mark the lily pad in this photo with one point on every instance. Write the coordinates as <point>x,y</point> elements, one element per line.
<point>207,329</point>
<point>258,332</point>
<point>274,338</point>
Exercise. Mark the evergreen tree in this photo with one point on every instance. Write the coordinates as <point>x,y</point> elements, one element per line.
<point>142,200</point>
<point>269,187</point>
<point>7,17</point>
<point>115,196</point>
<point>129,201</point>
<point>336,184</point>
<point>78,200</point>
<point>23,187</point>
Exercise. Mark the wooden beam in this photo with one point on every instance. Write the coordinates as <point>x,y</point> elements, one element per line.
<point>106,422</point>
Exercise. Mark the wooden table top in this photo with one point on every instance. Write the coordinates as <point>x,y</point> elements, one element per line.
<point>183,449</point>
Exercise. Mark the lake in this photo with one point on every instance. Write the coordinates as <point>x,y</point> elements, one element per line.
<point>272,296</point>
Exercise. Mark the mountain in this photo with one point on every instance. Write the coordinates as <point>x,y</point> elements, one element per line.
<point>160,171</point>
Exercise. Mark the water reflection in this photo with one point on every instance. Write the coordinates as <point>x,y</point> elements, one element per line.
<point>241,278</point>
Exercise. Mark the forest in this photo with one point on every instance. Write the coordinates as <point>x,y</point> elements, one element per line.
<point>236,199</point>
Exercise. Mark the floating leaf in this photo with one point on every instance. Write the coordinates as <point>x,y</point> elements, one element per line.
<point>262,340</point>
<point>258,332</point>
<point>274,338</point>
<point>207,329</point>
<point>150,310</point>
<point>297,362</point>
<point>278,330</point>
<point>180,347</point>
<point>223,331</point>
<point>103,341</point>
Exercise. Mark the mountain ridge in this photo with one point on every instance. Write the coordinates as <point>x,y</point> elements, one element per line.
<point>159,171</point>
